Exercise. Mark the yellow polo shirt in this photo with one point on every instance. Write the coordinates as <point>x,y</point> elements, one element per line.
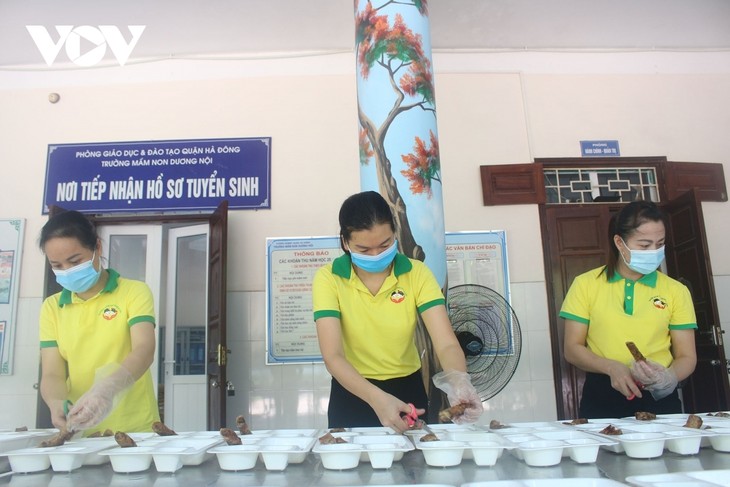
<point>93,333</point>
<point>378,332</point>
<point>618,310</point>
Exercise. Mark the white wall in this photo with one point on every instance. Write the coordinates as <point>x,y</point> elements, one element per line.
<point>492,109</point>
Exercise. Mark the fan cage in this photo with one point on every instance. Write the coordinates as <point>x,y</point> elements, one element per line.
<point>486,315</point>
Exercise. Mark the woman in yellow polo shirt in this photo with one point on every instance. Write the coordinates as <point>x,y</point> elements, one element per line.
<point>629,300</point>
<point>97,336</point>
<point>366,305</point>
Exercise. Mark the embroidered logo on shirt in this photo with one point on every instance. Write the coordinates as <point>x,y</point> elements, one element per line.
<point>110,312</point>
<point>659,302</point>
<point>398,295</point>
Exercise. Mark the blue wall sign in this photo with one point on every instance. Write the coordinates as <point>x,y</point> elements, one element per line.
<point>159,175</point>
<point>599,148</point>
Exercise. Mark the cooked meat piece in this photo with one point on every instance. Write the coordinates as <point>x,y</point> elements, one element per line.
<point>693,421</point>
<point>644,416</point>
<point>95,434</point>
<point>429,437</point>
<point>162,429</point>
<point>496,425</point>
<point>452,413</point>
<point>230,436</point>
<point>720,414</point>
<point>328,439</point>
<point>337,430</point>
<point>577,421</point>
<point>611,430</point>
<point>124,440</point>
<point>638,356</point>
<point>58,439</point>
<point>242,426</point>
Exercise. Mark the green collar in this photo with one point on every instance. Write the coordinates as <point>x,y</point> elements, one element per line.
<point>646,279</point>
<point>342,265</point>
<point>111,285</point>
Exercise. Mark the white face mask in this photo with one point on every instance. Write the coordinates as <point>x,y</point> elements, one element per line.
<point>644,261</point>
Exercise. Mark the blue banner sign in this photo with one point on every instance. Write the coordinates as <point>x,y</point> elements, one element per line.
<point>159,175</point>
<point>599,148</point>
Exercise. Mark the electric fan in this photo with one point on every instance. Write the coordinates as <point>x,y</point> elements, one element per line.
<point>489,334</point>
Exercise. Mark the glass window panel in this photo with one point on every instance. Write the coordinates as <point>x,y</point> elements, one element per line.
<point>190,304</point>
<point>584,184</point>
<point>128,255</point>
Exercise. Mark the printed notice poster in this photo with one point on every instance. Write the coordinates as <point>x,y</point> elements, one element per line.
<point>478,258</point>
<point>291,265</point>
<point>161,175</point>
<point>11,246</point>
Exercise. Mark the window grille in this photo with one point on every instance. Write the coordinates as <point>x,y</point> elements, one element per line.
<point>600,185</point>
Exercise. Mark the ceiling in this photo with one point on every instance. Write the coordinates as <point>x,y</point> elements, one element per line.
<point>213,28</point>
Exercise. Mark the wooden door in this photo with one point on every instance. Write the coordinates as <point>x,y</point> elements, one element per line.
<point>217,345</point>
<point>688,261</point>
<point>575,240</point>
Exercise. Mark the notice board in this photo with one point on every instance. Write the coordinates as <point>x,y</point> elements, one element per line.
<point>291,335</point>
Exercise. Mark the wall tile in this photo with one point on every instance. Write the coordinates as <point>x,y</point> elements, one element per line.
<point>263,376</point>
<point>258,315</point>
<point>540,353</point>
<point>238,306</point>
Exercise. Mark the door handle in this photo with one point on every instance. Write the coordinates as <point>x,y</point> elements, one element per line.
<point>215,384</point>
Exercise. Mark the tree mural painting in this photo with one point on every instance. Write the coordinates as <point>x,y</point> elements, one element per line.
<point>395,50</point>
<point>397,115</point>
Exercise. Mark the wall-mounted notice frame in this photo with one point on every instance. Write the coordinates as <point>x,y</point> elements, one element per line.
<point>478,258</point>
<point>11,250</point>
<point>291,335</point>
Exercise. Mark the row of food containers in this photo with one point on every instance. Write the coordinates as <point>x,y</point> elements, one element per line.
<point>536,443</point>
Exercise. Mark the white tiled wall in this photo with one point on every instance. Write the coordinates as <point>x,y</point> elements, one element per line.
<point>296,395</point>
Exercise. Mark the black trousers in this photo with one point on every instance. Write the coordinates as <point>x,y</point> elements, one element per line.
<point>347,410</point>
<point>600,400</point>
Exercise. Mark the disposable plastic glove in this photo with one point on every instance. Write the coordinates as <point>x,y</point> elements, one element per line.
<point>459,390</point>
<point>660,381</point>
<point>97,402</point>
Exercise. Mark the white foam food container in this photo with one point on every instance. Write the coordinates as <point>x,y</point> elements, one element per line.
<point>16,440</point>
<point>129,460</point>
<point>647,439</point>
<point>339,456</point>
<point>703,478</point>
<point>443,453</point>
<point>236,457</point>
<point>382,450</point>
<point>543,446</point>
<point>176,452</point>
<point>276,451</point>
<point>28,460</point>
<point>70,456</point>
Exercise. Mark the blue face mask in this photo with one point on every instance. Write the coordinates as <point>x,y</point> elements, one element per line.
<point>375,263</point>
<point>80,278</point>
<point>644,261</point>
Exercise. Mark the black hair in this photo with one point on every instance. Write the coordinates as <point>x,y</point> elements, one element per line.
<point>362,211</point>
<point>624,224</point>
<point>69,224</point>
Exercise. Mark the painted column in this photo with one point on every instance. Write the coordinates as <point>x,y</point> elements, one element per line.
<point>399,153</point>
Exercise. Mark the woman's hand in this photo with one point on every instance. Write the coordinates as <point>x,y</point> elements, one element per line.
<point>622,380</point>
<point>390,411</point>
<point>97,402</point>
<point>58,414</point>
<point>657,379</point>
